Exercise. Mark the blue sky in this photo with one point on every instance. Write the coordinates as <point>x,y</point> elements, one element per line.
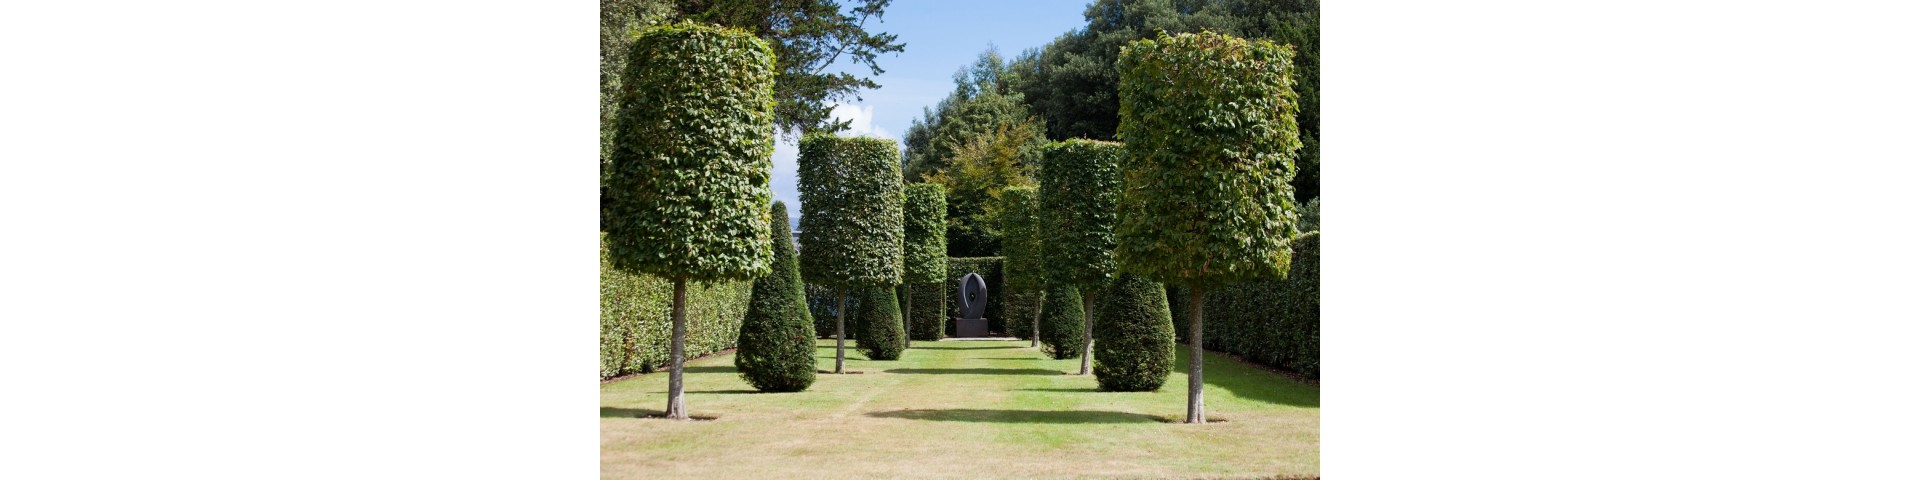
<point>941,37</point>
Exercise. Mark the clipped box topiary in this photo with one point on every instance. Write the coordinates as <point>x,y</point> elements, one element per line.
<point>1134,351</point>
<point>878,319</point>
<point>925,258</point>
<point>1079,186</point>
<point>776,338</point>
<point>851,222</point>
<point>1021,270</point>
<point>1061,315</point>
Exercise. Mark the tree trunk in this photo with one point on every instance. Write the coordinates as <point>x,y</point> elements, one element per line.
<point>1196,402</point>
<point>1039,301</point>
<point>840,334</point>
<point>676,392</point>
<point>906,315</point>
<point>1086,332</point>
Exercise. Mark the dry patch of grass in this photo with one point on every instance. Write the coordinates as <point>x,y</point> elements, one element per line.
<point>961,409</point>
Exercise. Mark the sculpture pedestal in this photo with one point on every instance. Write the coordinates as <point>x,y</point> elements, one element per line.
<point>970,327</point>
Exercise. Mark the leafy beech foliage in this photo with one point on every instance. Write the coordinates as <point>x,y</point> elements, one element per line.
<point>925,227</point>
<point>1208,122</point>
<point>1021,241</point>
<point>635,313</point>
<point>877,318</point>
<point>1274,322</point>
<point>929,310</point>
<point>1061,322</point>
<point>1133,348</point>
<point>1079,185</point>
<point>850,198</point>
<point>776,338</point>
<point>692,154</point>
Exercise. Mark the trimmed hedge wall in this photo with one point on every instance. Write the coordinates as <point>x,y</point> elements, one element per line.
<point>1272,322</point>
<point>929,310</point>
<point>636,313</point>
<point>1020,307</point>
<point>989,270</point>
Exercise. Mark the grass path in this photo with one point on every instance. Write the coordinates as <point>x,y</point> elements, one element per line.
<point>960,409</point>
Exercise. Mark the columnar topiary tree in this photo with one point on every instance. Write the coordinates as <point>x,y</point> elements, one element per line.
<point>925,214</point>
<point>776,337</point>
<point>881,336</point>
<point>850,222</point>
<point>1208,122</point>
<point>1079,185</point>
<point>687,180</point>
<point>1061,318</point>
<point>1021,269</point>
<point>1135,348</point>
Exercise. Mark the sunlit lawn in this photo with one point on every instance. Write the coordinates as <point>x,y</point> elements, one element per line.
<point>960,409</point>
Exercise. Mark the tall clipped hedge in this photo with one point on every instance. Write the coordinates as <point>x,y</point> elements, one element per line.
<point>925,261</point>
<point>851,233</point>
<point>989,269</point>
<point>1134,348</point>
<point>1208,122</point>
<point>1079,185</point>
<point>692,155</point>
<point>1061,317</point>
<point>636,311</point>
<point>1020,242</point>
<point>687,177</point>
<point>776,338</point>
<point>878,318</point>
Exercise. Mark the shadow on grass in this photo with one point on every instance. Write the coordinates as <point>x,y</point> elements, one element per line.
<point>1246,381</point>
<point>1019,416</point>
<point>711,369</point>
<point>1079,390</point>
<point>978,371</point>
<point>957,346</point>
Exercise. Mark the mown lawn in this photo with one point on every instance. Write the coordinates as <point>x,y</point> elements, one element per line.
<point>960,409</point>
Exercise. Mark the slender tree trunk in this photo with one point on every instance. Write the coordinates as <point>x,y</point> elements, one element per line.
<point>676,393</point>
<point>840,334</point>
<point>1038,302</point>
<point>1086,332</point>
<point>1196,401</point>
<point>906,317</point>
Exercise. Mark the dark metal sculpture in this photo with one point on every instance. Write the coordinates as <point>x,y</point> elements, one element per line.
<point>973,306</point>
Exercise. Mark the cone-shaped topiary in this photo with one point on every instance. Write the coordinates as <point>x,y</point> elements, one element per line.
<point>1133,351</point>
<point>776,338</point>
<point>1060,322</point>
<point>878,318</point>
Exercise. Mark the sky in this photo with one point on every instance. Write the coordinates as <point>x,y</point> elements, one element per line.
<point>941,37</point>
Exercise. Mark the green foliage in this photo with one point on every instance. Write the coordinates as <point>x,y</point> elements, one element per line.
<point>807,36</point>
<point>929,310</point>
<point>979,140</point>
<point>1309,216</point>
<point>989,269</point>
<point>1211,135</point>
<point>1271,322</point>
<point>1133,348</point>
<point>636,312</point>
<point>878,320</point>
<point>1072,85</point>
<point>850,229</point>
<point>619,20</point>
<point>925,214</point>
<point>1062,321</point>
<point>776,338</point>
<point>1020,305</point>
<point>1079,185</point>
<point>687,186</point>
<point>1020,228</point>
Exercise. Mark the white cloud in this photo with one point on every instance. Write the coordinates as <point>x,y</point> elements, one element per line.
<point>786,152</point>
<point>861,119</point>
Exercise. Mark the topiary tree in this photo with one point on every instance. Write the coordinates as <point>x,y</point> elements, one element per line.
<point>1079,185</point>
<point>776,337</point>
<point>1135,348</point>
<point>1209,125</point>
<point>850,222</point>
<point>1061,315</point>
<point>1021,269</point>
<point>925,260</point>
<point>878,319</point>
<point>687,180</point>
